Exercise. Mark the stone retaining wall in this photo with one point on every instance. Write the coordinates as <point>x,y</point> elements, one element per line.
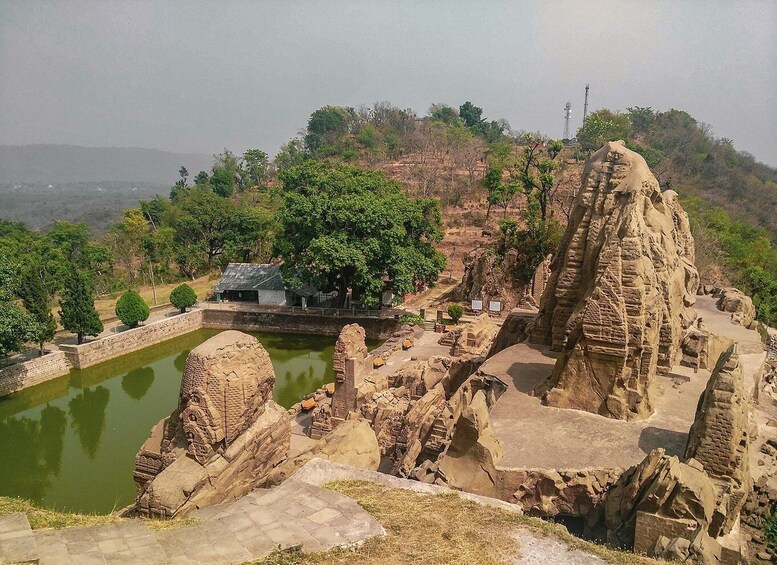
<point>375,328</point>
<point>57,364</point>
<point>112,346</point>
<point>32,372</point>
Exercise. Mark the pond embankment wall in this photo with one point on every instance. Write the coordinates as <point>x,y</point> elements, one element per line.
<point>33,372</point>
<point>129,341</point>
<point>282,322</point>
<point>58,363</point>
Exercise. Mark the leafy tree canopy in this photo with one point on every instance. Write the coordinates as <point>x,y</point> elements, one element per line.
<point>131,309</point>
<point>77,312</point>
<point>603,126</point>
<point>347,227</point>
<point>327,124</point>
<point>183,297</point>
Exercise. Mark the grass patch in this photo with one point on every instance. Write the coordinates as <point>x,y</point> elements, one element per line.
<point>162,525</point>
<point>445,528</point>
<point>41,518</point>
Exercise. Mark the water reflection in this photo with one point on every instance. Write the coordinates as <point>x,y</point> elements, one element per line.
<point>87,413</point>
<point>70,443</point>
<point>136,383</point>
<point>32,453</point>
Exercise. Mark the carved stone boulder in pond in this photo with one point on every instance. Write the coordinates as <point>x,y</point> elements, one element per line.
<point>621,290</point>
<point>224,438</point>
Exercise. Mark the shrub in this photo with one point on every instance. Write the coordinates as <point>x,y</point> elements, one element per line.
<point>132,309</point>
<point>770,530</point>
<point>455,311</point>
<point>412,319</point>
<point>183,297</point>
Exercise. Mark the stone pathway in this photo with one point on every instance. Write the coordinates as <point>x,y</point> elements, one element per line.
<point>293,514</point>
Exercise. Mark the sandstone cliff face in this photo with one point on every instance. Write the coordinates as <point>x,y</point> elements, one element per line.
<point>621,290</point>
<point>224,437</point>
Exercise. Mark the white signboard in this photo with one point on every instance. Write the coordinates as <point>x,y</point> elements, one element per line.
<point>477,305</point>
<point>494,306</point>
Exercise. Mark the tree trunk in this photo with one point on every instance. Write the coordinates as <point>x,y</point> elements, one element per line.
<point>80,338</point>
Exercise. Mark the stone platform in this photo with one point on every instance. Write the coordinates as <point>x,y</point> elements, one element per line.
<point>293,514</point>
<point>534,436</point>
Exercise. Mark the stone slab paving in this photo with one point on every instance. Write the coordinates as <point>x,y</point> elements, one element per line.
<point>16,539</point>
<point>293,514</point>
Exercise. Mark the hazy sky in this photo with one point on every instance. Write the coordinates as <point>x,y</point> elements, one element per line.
<point>199,76</point>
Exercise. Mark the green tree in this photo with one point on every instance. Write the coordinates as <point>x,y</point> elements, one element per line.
<point>77,310</point>
<point>37,301</point>
<point>222,182</point>
<point>642,119</point>
<point>248,235</point>
<point>202,225</point>
<point>455,311</point>
<point>257,166</point>
<point>535,170</point>
<point>131,309</point>
<point>603,126</point>
<point>290,155</point>
<point>445,114</point>
<point>326,125</point>
<point>183,297</point>
<point>470,114</point>
<point>16,328</point>
<point>343,227</point>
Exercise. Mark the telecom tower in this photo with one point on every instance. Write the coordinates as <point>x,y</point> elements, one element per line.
<point>585,107</point>
<point>567,114</point>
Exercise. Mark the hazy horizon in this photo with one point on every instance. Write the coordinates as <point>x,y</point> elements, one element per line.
<point>195,77</point>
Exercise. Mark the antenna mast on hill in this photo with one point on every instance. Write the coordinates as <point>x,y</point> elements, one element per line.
<point>567,114</point>
<point>585,107</point>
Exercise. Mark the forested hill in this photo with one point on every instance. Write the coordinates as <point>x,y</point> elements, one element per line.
<point>54,164</point>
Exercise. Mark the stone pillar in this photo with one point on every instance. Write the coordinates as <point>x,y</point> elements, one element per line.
<point>344,396</point>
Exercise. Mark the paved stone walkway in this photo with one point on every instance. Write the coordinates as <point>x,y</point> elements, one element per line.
<point>293,514</point>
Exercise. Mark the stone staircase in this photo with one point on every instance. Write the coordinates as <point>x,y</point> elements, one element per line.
<point>429,325</point>
<point>17,544</point>
<point>294,514</point>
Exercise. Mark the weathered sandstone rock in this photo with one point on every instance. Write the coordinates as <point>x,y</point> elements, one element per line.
<point>348,362</point>
<point>351,443</point>
<point>476,337</point>
<point>224,437</point>
<point>666,494</point>
<point>621,290</point>
<point>719,438</point>
<point>738,303</point>
<point>469,463</point>
<point>515,329</point>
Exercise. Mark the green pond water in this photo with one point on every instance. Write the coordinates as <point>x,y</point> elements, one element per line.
<point>70,443</point>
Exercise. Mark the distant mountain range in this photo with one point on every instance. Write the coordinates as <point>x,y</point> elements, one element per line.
<point>71,163</point>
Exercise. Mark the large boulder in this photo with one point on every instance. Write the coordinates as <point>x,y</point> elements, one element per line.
<point>353,443</point>
<point>224,438</point>
<point>738,304</point>
<point>470,462</point>
<point>621,290</point>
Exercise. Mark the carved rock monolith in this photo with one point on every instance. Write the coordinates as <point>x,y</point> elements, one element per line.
<point>225,436</point>
<point>621,290</point>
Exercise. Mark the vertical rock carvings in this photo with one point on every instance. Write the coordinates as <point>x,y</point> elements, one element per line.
<point>621,290</point>
<point>224,438</point>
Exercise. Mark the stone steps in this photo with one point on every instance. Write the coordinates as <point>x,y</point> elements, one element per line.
<point>17,544</point>
<point>294,514</point>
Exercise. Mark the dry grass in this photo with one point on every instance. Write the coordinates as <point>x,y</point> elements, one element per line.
<point>41,518</point>
<point>106,305</point>
<point>161,525</point>
<point>439,529</point>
